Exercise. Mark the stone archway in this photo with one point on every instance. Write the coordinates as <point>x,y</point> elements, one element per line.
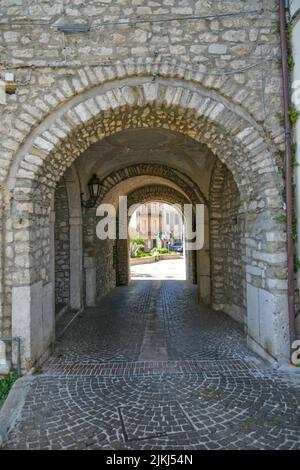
<point>196,261</point>
<point>134,182</point>
<point>189,188</point>
<point>162,194</point>
<point>229,131</point>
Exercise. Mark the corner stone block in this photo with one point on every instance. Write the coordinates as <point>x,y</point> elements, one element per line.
<point>32,312</point>
<point>268,324</point>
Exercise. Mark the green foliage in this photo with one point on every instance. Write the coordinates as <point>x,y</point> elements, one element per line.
<point>138,241</point>
<point>6,383</point>
<point>288,33</point>
<point>281,159</point>
<point>281,218</point>
<point>294,228</point>
<point>296,264</point>
<point>294,114</point>
<point>294,163</point>
<point>137,245</point>
<point>161,251</point>
<point>290,62</point>
<point>139,252</point>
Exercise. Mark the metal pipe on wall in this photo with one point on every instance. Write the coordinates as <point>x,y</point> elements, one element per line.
<point>295,37</point>
<point>288,172</point>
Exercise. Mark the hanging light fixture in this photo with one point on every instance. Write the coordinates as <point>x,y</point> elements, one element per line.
<point>94,186</point>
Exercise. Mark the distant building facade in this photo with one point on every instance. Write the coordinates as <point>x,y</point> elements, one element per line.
<point>159,224</point>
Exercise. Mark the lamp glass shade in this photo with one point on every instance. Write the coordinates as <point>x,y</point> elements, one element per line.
<point>94,187</point>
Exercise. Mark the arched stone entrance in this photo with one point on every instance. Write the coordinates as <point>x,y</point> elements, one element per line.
<point>174,105</point>
<point>167,195</point>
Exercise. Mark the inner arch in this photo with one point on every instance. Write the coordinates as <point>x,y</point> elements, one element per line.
<point>185,134</point>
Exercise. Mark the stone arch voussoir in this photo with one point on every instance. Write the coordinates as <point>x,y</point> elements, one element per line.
<point>190,189</point>
<point>227,130</point>
<point>180,105</point>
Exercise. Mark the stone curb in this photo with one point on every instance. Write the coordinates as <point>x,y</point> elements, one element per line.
<point>13,405</point>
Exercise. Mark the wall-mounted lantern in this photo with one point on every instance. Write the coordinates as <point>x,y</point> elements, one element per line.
<point>94,186</point>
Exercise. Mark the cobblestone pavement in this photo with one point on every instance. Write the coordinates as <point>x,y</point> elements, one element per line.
<point>151,369</point>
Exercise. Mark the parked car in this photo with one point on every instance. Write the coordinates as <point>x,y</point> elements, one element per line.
<point>177,247</point>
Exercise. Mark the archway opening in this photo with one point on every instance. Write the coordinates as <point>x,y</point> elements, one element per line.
<point>159,172</point>
<point>156,237</point>
<point>182,135</point>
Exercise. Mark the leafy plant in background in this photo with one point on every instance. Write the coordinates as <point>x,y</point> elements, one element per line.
<point>137,246</point>
<point>161,251</point>
<point>138,241</point>
<point>6,383</point>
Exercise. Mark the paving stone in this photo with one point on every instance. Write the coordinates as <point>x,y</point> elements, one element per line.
<point>209,394</point>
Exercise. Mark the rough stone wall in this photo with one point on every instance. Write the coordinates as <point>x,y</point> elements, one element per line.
<point>216,188</point>
<point>232,50</point>
<point>62,246</point>
<point>215,79</point>
<point>102,252</point>
<point>83,136</point>
<point>231,229</point>
<point>88,226</point>
<point>227,228</point>
<point>105,268</point>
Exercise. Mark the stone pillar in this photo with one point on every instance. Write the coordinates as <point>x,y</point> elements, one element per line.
<point>203,266</point>
<point>90,281</point>
<point>266,287</point>
<point>203,277</point>
<point>75,262</point>
<point>267,324</point>
<point>33,321</point>
<point>52,257</point>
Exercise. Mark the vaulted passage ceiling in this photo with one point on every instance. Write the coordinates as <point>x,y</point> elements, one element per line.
<point>157,146</point>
